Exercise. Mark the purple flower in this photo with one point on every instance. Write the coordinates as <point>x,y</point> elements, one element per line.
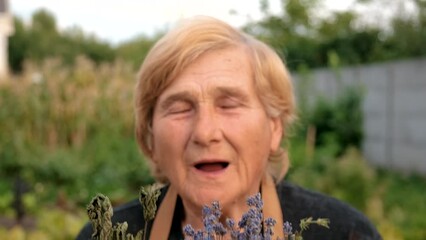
<point>199,235</point>
<point>269,223</point>
<point>206,211</point>
<point>219,229</point>
<point>209,221</point>
<point>288,229</point>
<point>212,226</point>
<point>243,222</point>
<point>255,201</point>
<point>251,222</point>
<point>230,223</point>
<point>189,231</point>
<point>216,209</point>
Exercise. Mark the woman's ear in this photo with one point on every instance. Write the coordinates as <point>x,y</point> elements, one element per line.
<point>150,141</point>
<point>150,144</point>
<point>276,133</point>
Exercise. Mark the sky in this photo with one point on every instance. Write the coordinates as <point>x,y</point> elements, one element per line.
<point>121,20</point>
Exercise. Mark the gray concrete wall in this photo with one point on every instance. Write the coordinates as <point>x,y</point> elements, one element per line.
<point>394,109</point>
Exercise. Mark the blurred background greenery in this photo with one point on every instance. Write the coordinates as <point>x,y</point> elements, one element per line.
<point>66,119</point>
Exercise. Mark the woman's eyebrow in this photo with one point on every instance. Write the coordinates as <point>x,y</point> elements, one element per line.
<point>174,97</point>
<point>231,92</point>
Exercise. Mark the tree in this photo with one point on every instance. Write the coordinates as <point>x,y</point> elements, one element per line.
<point>134,51</point>
<point>44,36</point>
<point>18,46</point>
<point>42,40</point>
<point>305,33</point>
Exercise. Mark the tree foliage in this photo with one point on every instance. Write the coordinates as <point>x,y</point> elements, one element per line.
<point>135,50</point>
<point>304,33</point>
<point>41,40</point>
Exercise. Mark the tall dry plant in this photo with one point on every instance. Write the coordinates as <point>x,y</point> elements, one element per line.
<point>59,106</point>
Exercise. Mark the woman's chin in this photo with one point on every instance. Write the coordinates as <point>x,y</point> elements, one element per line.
<point>204,197</point>
<point>208,197</point>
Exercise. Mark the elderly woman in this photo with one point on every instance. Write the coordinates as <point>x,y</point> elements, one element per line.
<point>212,107</point>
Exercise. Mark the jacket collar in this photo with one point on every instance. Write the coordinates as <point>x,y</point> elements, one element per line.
<point>271,209</point>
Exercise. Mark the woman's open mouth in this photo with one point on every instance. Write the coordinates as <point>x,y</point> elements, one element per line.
<point>211,166</point>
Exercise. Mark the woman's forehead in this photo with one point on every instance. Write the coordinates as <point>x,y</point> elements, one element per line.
<point>225,71</point>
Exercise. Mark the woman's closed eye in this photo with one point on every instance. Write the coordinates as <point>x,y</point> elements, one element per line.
<point>229,103</point>
<point>179,107</point>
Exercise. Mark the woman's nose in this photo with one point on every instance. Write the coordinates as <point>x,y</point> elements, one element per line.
<point>206,129</point>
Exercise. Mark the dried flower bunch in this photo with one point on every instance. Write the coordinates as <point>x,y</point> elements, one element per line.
<point>100,212</point>
<point>251,226</point>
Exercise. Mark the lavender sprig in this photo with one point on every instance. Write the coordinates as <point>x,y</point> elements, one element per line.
<point>288,229</point>
<point>269,232</point>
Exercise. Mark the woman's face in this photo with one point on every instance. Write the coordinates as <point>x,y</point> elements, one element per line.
<point>211,134</point>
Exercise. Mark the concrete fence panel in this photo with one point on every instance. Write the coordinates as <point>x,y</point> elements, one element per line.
<point>394,109</point>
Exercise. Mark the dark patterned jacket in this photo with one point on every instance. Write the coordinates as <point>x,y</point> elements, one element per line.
<point>296,203</point>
